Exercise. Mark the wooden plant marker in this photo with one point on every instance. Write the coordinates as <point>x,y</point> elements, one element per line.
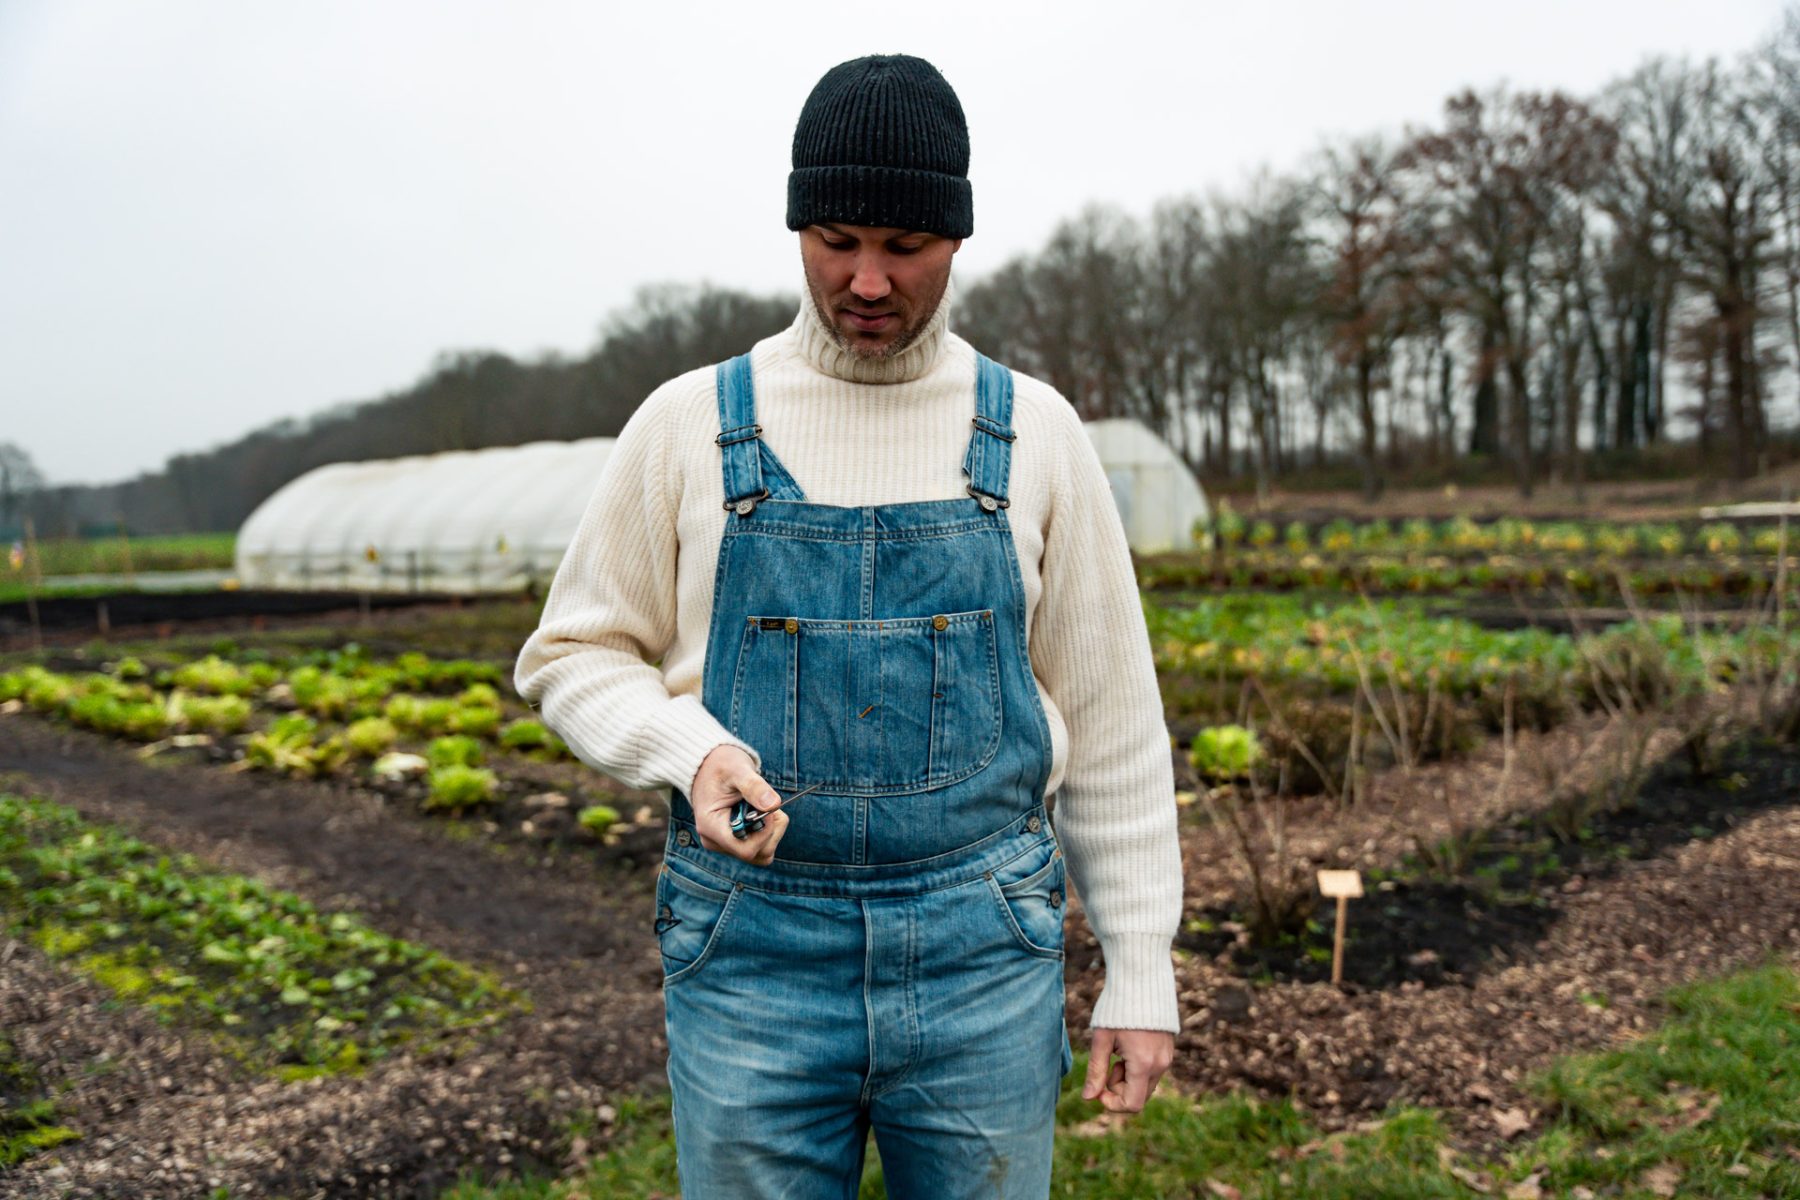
<point>1343,886</point>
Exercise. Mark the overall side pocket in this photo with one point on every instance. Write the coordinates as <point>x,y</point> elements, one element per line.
<point>1032,906</point>
<point>690,916</point>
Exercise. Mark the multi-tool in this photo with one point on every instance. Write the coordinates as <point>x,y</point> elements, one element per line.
<point>747,819</point>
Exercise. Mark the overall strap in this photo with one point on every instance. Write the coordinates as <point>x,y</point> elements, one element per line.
<point>738,434</point>
<point>752,472</point>
<point>989,456</point>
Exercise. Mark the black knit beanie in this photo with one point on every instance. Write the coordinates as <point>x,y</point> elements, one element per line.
<point>882,141</point>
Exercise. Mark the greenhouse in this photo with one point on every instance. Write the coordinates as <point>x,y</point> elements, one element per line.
<point>496,520</point>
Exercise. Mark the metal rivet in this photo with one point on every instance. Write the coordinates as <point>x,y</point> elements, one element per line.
<point>792,625</point>
<point>665,912</point>
<point>744,507</point>
<point>939,621</point>
<point>989,503</point>
<point>683,837</point>
<point>1055,899</point>
<point>1033,824</point>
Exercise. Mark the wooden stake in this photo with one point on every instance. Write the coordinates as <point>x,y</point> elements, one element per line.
<point>1337,941</point>
<point>1344,886</point>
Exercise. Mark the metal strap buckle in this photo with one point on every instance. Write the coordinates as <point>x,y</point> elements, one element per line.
<point>745,505</point>
<point>988,502</point>
<point>993,427</point>
<point>724,438</point>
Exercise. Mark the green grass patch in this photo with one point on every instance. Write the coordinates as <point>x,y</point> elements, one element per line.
<point>112,555</point>
<point>1708,1106</point>
<point>1711,1100</point>
<point>286,988</point>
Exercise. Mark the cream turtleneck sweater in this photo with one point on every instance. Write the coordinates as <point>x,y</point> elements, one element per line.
<point>635,587</point>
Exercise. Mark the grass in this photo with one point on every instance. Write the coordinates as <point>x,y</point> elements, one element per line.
<point>284,988</point>
<point>1711,1100</point>
<point>110,555</point>
<point>1707,1106</point>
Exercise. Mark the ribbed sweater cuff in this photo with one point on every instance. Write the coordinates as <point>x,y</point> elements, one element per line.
<point>674,745</point>
<point>1139,992</point>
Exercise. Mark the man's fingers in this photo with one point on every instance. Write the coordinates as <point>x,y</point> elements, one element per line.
<point>773,827</point>
<point>1138,1081</point>
<point>1143,1058</point>
<point>1099,1060</point>
<point>1121,1086</point>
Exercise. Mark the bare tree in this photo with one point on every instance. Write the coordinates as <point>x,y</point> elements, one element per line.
<point>1367,288</point>
<point>19,477</point>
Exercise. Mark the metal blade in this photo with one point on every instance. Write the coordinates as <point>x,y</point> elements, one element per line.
<point>763,812</point>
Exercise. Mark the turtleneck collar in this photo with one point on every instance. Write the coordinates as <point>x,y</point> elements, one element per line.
<point>819,349</point>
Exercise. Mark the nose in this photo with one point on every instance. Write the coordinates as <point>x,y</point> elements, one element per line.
<point>870,282</point>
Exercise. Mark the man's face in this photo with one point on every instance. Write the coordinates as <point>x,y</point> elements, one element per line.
<point>875,288</point>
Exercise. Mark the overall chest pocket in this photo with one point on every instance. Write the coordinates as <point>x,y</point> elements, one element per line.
<point>869,708</point>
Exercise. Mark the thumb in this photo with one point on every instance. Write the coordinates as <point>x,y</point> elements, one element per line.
<point>756,789</point>
<point>1099,1060</point>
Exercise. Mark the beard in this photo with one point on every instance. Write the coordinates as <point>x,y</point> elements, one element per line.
<point>913,320</point>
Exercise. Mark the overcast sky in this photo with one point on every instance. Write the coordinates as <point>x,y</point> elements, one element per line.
<point>213,215</point>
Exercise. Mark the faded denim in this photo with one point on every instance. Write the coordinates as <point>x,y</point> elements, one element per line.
<point>899,965</point>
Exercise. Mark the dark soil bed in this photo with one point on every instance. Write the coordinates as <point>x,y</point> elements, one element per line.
<point>1434,931</point>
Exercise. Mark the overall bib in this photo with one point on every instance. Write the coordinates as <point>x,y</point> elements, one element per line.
<point>899,965</point>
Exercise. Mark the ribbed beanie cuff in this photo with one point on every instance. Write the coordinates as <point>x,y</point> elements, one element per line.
<point>899,197</point>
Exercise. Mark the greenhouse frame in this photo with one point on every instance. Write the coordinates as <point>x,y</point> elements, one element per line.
<point>499,519</point>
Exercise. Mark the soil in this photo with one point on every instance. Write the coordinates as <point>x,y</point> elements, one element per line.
<point>129,611</point>
<point>1436,931</point>
<point>495,625</point>
<point>162,1114</point>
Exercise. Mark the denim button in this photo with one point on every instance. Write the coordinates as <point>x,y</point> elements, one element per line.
<point>665,912</point>
<point>1033,824</point>
<point>744,507</point>
<point>683,838</point>
<point>1055,899</point>
<point>989,503</point>
<point>792,625</point>
<point>939,621</point>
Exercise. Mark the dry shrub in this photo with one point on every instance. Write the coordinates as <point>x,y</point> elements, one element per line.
<point>1276,892</point>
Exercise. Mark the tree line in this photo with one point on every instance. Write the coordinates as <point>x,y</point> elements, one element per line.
<point>1535,280</point>
<point>466,401</point>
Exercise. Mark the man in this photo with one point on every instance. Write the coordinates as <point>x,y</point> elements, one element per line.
<point>881,569</point>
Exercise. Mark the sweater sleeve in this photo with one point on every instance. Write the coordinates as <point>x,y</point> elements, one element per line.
<point>1115,808</point>
<point>610,614</point>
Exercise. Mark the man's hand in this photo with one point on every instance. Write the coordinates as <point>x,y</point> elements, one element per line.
<point>1123,1086</point>
<point>725,775</point>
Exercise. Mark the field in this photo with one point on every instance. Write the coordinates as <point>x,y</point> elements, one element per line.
<point>320,909</point>
<point>62,565</point>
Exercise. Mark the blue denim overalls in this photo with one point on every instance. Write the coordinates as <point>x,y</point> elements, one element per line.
<point>899,964</point>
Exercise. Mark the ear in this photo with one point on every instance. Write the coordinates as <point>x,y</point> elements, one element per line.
<point>956,245</point>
